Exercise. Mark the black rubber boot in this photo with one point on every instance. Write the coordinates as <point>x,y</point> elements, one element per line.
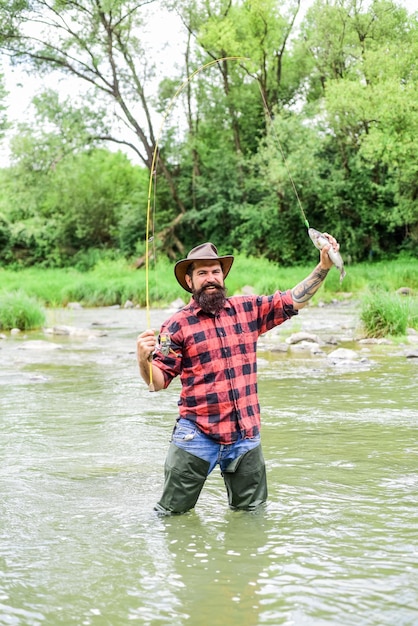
<point>245,480</point>
<point>185,475</point>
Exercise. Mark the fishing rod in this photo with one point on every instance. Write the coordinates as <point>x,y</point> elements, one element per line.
<point>148,237</point>
<point>270,119</point>
<point>318,239</point>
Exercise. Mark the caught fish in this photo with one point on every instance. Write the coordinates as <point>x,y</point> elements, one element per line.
<point>319,241</point>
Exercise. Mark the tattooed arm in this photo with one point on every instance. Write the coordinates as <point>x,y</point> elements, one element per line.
<point>304,291</point>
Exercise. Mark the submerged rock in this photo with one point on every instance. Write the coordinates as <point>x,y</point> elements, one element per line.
<point>75,332</point>
<point>303,336</point>
<point>412,335</point>
<point>412,354</point>
<point>377,341</point>
<point>317,351</point>
<point>280,347</point>
<point>74,306</point>
<point>39,344</point>
<point>344,354</point>
<point>177,304</point>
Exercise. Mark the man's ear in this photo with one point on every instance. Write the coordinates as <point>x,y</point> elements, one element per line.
<point>188,281</point>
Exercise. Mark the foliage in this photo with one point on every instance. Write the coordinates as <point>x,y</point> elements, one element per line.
<point>314,121</point>
<point>53,216</point>
<point>18,310</point>
<point>4,124</point>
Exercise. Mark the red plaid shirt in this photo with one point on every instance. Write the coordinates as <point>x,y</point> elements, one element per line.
<point>215,357</point>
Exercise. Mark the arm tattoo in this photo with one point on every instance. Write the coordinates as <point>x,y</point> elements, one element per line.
<point>308,287</point>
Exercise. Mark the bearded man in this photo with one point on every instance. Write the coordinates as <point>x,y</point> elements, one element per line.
<point>212,344</point>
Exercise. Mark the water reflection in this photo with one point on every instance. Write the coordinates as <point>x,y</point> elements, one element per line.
<point>220,564</point>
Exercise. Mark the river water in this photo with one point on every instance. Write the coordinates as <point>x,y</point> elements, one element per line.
<point>82,448</point>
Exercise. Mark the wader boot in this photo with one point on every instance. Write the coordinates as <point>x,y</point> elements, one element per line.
<point>245,480</point>
<point>185,475</point>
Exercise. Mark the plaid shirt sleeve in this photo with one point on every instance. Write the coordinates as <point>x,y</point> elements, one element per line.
<point>215,357</point>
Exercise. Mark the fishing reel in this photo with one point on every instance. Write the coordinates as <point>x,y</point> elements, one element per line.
<point>165,343</point>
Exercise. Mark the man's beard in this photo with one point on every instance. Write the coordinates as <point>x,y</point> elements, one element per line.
<point>210,301</point>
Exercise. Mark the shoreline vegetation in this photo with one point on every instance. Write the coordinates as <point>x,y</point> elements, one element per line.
<point>386,290</point>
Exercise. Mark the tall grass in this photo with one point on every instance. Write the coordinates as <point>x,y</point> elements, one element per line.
<point>113,282</point>
<point>384,314</point>
<point>18,310</point>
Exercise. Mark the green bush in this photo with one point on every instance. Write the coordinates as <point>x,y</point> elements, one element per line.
<point>18,310</point>
<point>385,314</point>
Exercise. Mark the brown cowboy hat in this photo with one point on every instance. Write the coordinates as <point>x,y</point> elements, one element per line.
<point>204,252</point>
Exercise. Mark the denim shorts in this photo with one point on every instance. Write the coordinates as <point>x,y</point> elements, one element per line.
<point>189,437</point>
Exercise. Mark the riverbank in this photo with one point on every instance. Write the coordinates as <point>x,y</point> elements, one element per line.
<point>117,282</point>
<point>386,291</point>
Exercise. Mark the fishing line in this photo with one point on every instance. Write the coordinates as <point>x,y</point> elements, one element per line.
<point>276,137</point>
<point>153,173</point>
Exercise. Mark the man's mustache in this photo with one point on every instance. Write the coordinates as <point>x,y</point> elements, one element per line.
<point>211,285</point>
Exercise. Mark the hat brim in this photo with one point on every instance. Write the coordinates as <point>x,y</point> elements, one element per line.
<point>180,268</point>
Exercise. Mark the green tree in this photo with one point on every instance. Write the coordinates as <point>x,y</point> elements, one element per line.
<point>229,106</point>
<point>98,43</point>
<point>54,216</point>
<point>332,112</point>
<point>366,105</point>
<point>4,124</point>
